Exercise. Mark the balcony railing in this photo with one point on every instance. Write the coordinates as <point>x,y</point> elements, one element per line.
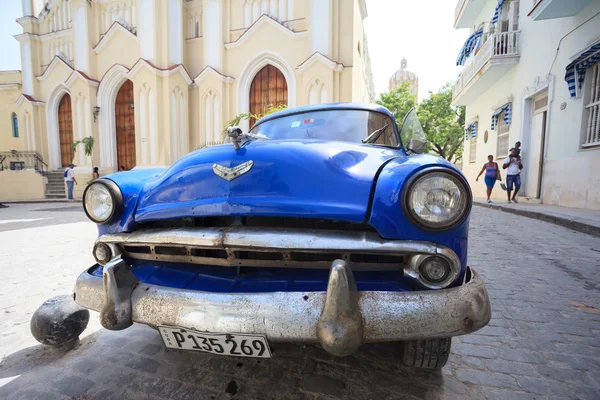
<point>15,160</point>
<point>497,46</point>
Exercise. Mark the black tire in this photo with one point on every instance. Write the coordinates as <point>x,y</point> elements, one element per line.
<point>426,353</point>
<point>58,321</point>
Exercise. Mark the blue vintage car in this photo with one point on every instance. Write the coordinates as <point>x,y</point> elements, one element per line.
<point>322,224</point>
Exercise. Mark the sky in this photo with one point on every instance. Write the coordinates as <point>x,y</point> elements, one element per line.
<point>420,30</point>
<point>10,57</point>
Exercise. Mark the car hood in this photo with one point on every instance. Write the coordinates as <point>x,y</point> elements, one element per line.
<point>288,178</point>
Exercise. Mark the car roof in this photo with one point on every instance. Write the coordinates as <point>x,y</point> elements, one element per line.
<point>325,107</point>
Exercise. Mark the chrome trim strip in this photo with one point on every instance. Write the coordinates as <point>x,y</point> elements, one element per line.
<point>284,240</point>
<point>247,237</point>
<point>294,316</point>
<point>286,263</point>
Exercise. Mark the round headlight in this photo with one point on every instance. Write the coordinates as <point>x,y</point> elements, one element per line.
<point>437,200</point>
<point>101,200</point>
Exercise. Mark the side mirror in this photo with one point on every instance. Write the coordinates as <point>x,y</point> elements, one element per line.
<point>416,146</point>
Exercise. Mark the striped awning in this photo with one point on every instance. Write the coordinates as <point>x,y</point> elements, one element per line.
<point>468,47</point>
<point>497,11</point>
<point>472,129</point>
<point>507,115</point>
<point>575,72</point>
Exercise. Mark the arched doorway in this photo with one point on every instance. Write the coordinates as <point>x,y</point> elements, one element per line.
<point>125,126</point>
<point>65,130</point>
<point>268,87</point>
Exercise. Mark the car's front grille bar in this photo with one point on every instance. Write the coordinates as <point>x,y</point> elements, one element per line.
<point>275,247</point>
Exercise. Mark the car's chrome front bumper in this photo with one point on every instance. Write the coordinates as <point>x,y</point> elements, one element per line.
<point>341,319</point>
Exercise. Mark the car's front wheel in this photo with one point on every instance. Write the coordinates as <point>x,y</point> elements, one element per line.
<point>426,353</point>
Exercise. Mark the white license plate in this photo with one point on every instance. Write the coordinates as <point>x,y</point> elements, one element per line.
<point>225,344</point>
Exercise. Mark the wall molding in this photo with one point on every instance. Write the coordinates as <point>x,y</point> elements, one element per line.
<point>112,31</point>
<point>538,85</point>
<point>174,69</point>
<point>318,57</point>
<point>55,61</point>
<point>78,74</point>
<point>192,3</point>
<point>265,20</point>
<point>502,102</point>
<point>24,97</point>
<point>107,96</point>
<point>210,71</point>
<point>54,99</point>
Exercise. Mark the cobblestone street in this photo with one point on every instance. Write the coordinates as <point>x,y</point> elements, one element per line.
<point>543,340</point>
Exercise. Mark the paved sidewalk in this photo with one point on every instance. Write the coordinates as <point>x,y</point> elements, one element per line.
<point>578,219</point>
<point>34,201</point>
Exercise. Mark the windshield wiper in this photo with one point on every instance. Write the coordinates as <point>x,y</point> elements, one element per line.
<point>372,138</point>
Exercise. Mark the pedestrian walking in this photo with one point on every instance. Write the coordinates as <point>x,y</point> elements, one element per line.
<point>513,165</point>
<point>492,174</point>
<point>70,178</point>
<point>95,174</point>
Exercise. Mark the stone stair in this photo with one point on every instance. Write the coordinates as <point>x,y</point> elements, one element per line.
<point>55,188</point>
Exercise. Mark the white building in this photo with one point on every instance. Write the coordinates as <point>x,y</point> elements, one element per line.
<point>516,73</point>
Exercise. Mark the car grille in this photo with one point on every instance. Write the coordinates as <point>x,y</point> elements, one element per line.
<point>240,245</point>
<point>263,222</point>
<point>300,243</point>
<point>261,258</point>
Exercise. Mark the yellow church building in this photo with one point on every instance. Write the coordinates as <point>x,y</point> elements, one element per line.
<point>151,80</point>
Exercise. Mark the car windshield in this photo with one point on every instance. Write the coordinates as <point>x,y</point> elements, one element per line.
<point>343,125</point>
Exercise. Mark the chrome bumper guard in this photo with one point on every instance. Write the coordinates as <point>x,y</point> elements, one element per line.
<point>341,319</point>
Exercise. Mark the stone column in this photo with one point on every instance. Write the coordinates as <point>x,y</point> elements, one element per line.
<point>147,29</point>
<point>175,32</point>
<point>213,40</point>
<point>81,35</point>
<point>27,72</point>
<point>28,10</point>
<point>320,26</point>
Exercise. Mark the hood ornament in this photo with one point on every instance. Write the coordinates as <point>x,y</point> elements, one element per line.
<point>237,136</point>
<point>232,173</point>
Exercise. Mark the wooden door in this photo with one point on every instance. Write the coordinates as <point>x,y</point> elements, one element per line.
<point>125,126</point>
<point>269,87</point>
<point>533,157</point>
<point>65,129</point>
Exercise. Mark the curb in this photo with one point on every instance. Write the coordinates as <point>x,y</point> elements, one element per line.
<point>567,223</point>
<point>46,201</point>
